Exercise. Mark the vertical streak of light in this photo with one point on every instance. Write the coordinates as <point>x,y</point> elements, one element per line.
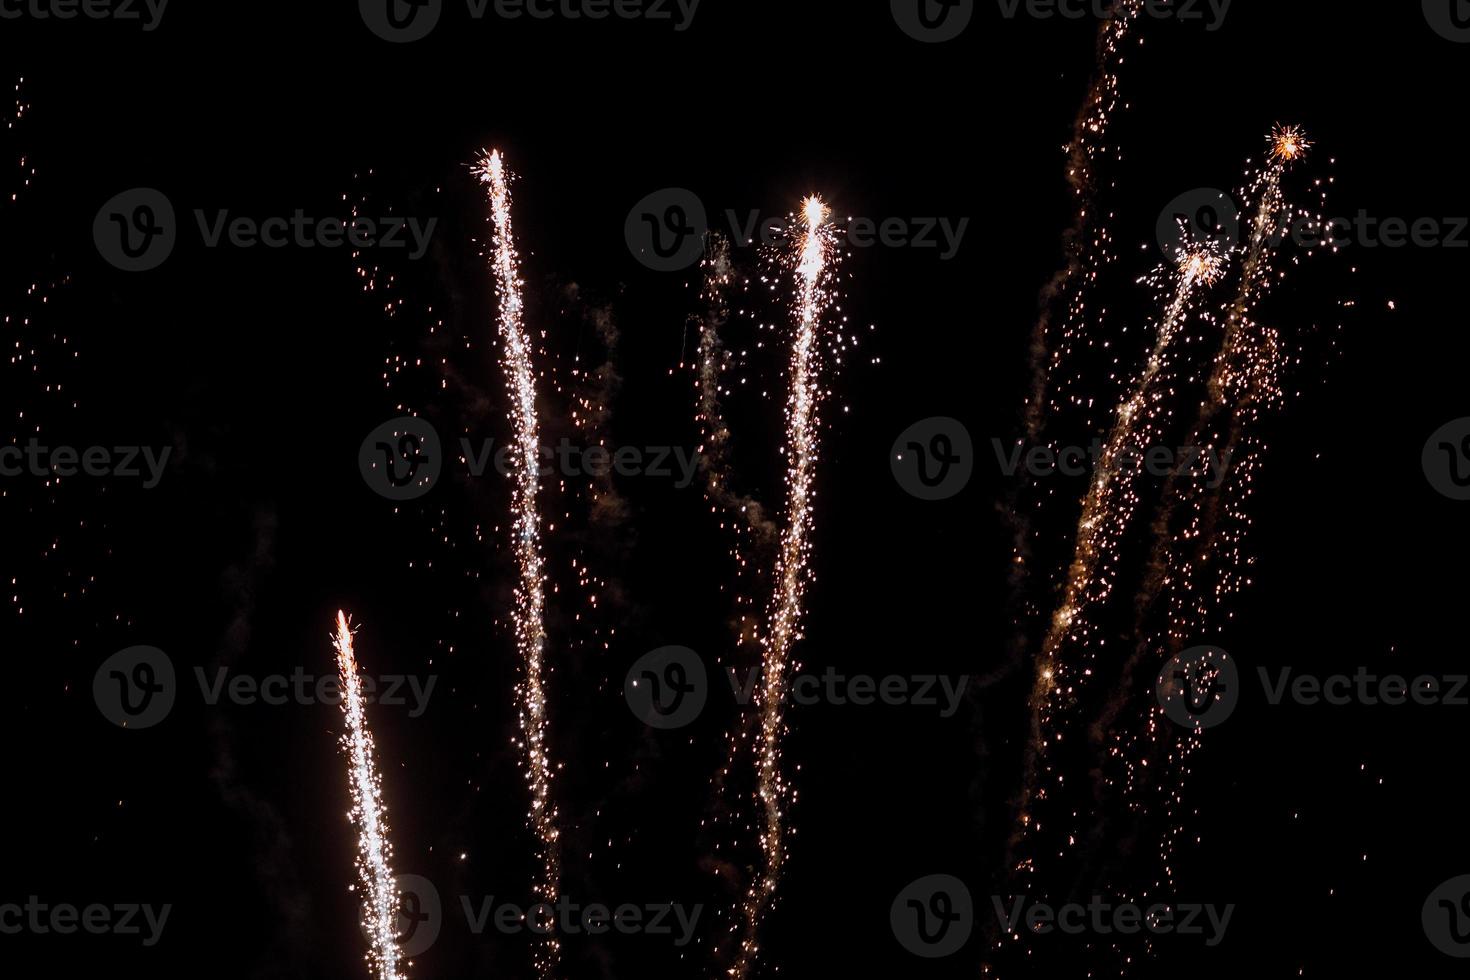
<point>374,852</point>
<point>530,627</point>
<point>812,261</point>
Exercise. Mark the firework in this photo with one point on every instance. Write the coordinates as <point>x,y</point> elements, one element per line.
<point>530,599</point>
<point>1112,501</point>
<point>1199,558</point>
<point>374,853</point>
<point>812,260</point>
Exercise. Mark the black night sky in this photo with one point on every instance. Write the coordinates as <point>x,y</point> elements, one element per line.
<point>1333,831</point>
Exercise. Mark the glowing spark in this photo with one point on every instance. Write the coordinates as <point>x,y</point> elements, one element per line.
<point>373,849</point>
<point>811,262</point>
<point>1288,143</point>
<point>530,628</point>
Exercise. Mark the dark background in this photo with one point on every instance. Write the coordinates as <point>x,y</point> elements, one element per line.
<point>1327,827</point>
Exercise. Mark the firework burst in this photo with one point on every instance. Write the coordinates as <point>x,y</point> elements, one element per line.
<point>374,853</point>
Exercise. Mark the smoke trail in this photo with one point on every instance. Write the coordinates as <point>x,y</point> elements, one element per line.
<point>530,626</point>
<point>812,262</point>
<point>374,852</point>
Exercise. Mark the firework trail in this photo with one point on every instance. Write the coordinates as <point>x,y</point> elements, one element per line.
<point>1107,512</point>
<point>1088,243</point>
<point>714,454</point>
<point>813,261</point>
<point>373,849</point>
<point>1198,560</point>
<point>1088,249</point>
<point>530,627</point>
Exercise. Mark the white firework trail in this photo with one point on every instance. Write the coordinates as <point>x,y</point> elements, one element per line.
<point>374,852</point>
<point>813,262</point>
<point>530,599</point>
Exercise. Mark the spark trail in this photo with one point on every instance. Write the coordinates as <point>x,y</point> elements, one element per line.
<point>530,597</point>
<point>1108,510</point>
<point>1088,242</point>
<point>812,265</point>
<point>1198,558</point>
<point>374,852</point>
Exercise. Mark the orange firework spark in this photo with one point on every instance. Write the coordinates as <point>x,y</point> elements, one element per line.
<point>1288,143</point>
<point>374,853</point>
<point>530,625</point>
